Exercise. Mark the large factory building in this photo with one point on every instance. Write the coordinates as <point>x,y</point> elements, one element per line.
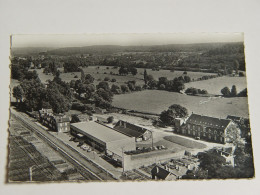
<point>104,138</point>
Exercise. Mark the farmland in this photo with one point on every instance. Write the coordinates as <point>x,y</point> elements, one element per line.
<point>155,101</point>
<point>99,73</point>
<point>214,86</point>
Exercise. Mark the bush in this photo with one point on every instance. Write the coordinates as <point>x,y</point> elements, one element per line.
<point>113,80</point>
<point>76,76</point>
<point>241,74</point>
<point>106,79</point>
<point>110,119</point>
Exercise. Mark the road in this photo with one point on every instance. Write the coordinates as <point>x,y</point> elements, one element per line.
<point>89,170</point>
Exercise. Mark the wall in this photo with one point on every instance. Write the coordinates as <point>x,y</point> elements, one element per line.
<point>139,160</point>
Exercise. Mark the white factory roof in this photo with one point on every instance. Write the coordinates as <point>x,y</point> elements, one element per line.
<point>99,131</point>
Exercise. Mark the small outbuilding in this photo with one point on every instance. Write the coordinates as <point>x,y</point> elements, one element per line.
<point>131,130</point>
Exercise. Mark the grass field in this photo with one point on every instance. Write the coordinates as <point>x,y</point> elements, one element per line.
<point>155,101</point>
<point>214,86</point>
<point>102,72</point>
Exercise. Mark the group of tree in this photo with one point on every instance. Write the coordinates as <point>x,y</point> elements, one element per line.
<point>129,86</point>
<point>33,95</point>
<point>174,111</point>
<point>20,73</point>
<point>126,70</point>
<point>71,66</point>
<point>195,91</point>
<point>226,92</point>
<point>175,85</point>
<point>214,166</point>
<point>50,68</point>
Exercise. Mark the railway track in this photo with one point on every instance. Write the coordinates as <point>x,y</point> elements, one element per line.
<point>88,170</point>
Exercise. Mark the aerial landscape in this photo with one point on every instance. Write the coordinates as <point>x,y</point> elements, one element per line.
<point>128,112</point>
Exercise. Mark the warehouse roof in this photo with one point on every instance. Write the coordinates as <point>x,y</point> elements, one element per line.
<point>129,129</point>
<point>99,131</point>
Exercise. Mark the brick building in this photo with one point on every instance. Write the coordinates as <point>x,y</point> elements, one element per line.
<point>207,128</point>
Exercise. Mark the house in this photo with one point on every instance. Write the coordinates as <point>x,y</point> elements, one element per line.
<point>208,128</point>
<point>228,154</point>
<point>62,123</point>
<point>160,173</point>
<point>131,130</point>
<point>235,119</point>
<point>44,111</point>
<point>59,123</point>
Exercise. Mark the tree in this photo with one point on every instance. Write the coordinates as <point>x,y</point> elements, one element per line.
<point>89,79</point>
<point>187,79</point>
<point>162,80</point>
<point>34,94</point>
<point>162,87</point>
<point>232,134</point>
<point>233,91</point>
<point>71,66</point>
<point>175,111</point>
<point>236,66</point>
<point>241,74</point>
<point>226,92</point>
<point>82,75</point>
<point>18,93</point>
<point>212,162</point>
<point>145,76</point>
<point>133,71</point>
<point>179,111</point>
<point>124,88</point>
<point>110,119</point>
<point>104,85</point>
<point>16,72</point>
<point>242,93</point>
<point>106,79</point>
<point>123,70</point>
<point>106,95</point>
<point>115,89</point>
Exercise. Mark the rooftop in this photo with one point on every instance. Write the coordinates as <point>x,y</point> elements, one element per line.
<point>99,131</point>
<point>208,121</point>
<point>129,129</point>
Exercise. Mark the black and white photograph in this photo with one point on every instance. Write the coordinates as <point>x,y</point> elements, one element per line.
<point>128,107</point>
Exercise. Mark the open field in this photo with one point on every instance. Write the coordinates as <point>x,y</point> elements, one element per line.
<point>155,101</point>
<point>102,72</point>
<point>214,86</point>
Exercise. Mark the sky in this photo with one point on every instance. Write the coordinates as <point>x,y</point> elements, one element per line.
<point>80,40</point>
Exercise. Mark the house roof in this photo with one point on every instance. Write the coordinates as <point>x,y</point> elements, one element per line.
<point>129,129</point>
<point>43,111</point>
<point>160,172</point>
<point>98,131</point>
<point>208,121</point>
<point>61,119</point>
<point>234,118</point>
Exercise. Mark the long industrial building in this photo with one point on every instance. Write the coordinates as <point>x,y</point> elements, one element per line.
<point>104,138</point>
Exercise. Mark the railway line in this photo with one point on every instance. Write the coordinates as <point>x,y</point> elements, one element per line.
<point>89,170</point>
